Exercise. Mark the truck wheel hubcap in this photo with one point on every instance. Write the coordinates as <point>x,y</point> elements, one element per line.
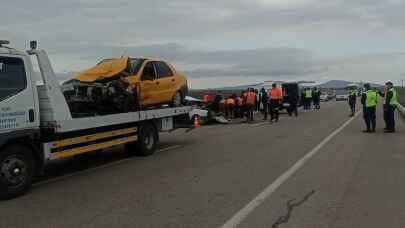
<point>13,171</point>
<point>149,141</point>
<point>177,99</point>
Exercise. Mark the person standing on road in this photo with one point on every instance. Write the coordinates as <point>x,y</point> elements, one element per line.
<point>250,102</point>
<point>352,102</point>
<point>239,107</point>
<point>276,96</point>
<point>264,100</point>
<point>308,98</point>
<point>390,105</point>
<point>369,101</point>
<point>303,99</point>
<point>257,101</point>
<point>316,94</point>
<point>230,104</point>
<point>216,103</point>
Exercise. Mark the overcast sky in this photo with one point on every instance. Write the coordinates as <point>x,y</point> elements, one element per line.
<point>220,42</point>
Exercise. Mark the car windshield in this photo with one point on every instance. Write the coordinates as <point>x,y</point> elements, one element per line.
<point>341,92</point>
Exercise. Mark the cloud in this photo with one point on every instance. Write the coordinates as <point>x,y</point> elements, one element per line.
<point>230,38</point>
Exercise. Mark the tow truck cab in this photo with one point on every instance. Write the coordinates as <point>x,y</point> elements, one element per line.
<point>36,125</point>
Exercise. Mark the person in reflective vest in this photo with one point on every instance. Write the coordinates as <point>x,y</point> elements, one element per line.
<point>307,99</point>
<point>316,96</point>
<point>250,99</point>
<point>369,101</point>
<point>230,105</point>
<point>390,105</point>
<point>275,99</point>
<point>352,102</point>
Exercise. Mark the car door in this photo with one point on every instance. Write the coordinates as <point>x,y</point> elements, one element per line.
<point>166,81</point>
<point>148,85</point>
<point>17,103</point>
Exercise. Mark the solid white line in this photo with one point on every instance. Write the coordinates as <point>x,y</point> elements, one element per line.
<point>258,200</point>
<point>97,168</point>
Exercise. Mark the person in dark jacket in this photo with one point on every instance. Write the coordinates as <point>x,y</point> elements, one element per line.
<point>264,101</point>
<point>215,103</point>
<point>352,102</point>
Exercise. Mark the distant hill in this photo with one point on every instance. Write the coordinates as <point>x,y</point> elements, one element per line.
<point>340,84</point>
<point>335,84</point>
<point>240,87</point>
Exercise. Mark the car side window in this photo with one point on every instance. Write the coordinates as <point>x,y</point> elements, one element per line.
<point>163,70</point>
<point>148,72</point>
<point>12,77</point>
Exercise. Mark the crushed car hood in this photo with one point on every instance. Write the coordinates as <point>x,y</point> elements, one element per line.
<point>106,69</point>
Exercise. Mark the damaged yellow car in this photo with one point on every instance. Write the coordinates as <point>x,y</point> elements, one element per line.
<point>125,84</point>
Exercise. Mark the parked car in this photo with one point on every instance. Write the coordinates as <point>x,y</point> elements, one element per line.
<point>324,97</point>
<point>342,95</point>
<point>126,82</point>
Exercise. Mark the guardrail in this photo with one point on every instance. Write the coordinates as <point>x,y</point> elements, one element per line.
<point>401,110</point>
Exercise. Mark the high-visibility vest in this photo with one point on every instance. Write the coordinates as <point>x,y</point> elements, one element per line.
<point>230,101</point>
<point>250,98</point>
<point>354,93</point>
<point>394,98</point>
<point>308,94</point>
<point>371,98</point>
<point>276,94</point>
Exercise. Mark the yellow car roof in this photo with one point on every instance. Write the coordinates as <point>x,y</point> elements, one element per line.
<point>106,69</point>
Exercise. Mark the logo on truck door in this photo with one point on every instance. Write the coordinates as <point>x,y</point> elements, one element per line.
<point>11,120</point>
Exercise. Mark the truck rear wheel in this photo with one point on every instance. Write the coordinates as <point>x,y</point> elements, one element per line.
<point>178,100</point>
<point>147,141</point>
<point>17,171</point>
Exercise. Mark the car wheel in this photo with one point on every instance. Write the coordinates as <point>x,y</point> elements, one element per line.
<point>177,100</point>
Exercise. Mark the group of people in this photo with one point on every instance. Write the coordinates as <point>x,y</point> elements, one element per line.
<point>311,96</point>
<point>248,102</point>
<point>369,101</point>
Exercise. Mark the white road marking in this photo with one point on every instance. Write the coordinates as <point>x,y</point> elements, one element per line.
<point>98,167</point>
<point>241,215</point>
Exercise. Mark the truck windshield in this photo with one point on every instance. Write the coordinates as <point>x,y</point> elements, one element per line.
<point>12,76</point>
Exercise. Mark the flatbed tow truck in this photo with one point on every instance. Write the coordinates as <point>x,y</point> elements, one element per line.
<point>36,125</point>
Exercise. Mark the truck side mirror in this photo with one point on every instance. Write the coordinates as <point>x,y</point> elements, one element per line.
<point>33,44</point>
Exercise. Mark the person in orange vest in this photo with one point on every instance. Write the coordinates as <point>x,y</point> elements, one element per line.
<point>250,102</point>
<point>276,96</point>
<point>230,103</point>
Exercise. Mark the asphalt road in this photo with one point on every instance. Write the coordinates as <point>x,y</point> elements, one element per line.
<point>208,177</point>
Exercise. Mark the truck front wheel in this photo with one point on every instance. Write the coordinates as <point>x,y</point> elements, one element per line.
<point>17,171</point>
<point>147,141</point>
